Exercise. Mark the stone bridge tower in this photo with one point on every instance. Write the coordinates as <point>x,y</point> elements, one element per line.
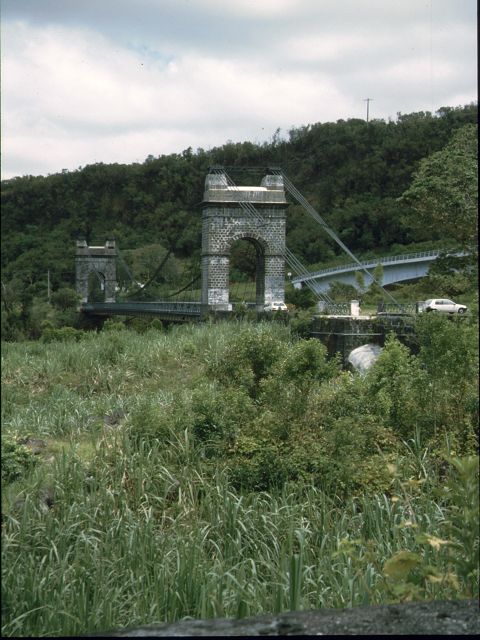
<point>227,217</point>
<point>99,260</point>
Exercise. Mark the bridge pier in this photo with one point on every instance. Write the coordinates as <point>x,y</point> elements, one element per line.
<point>344,334</point>
<point>255,214</point>
<point>98,260</point>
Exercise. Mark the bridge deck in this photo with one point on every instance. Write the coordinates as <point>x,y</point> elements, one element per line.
<point>180,311</point>
<point>385,261</point>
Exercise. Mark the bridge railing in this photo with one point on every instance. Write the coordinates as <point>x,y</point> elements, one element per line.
<point>396,309</point>
<point>192,308</point>
<point>344,308</point>
<point>337,309</point>
<point>405,257</point>
<point>372,262</point>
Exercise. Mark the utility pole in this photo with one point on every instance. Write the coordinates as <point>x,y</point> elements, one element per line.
<point>368,100</point>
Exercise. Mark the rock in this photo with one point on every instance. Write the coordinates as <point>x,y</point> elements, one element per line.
<point>18,505</point>
<point>114,418</point>
<point>46,498</point>
<point>34,444</point>
<point>173,491</point>
<point>457,617</point>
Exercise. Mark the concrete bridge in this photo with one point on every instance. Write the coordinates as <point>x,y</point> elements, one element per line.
<point>408,266</point>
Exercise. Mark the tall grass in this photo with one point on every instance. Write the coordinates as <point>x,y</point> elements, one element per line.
<point>126,554</point>
<point>149,528</point>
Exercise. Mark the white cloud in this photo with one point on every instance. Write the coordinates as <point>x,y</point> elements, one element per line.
<point>253,8</point>
<point>324,47</point>
<point>83,100</point>
<point>101,81</point>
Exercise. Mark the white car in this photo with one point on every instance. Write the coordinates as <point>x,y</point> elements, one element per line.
<point>444,305</point>
<point>276,306</point>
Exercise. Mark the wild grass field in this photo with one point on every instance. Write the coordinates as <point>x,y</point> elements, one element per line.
<point>232,469</point>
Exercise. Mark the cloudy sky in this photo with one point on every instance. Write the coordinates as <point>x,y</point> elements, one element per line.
<point>87,81</point>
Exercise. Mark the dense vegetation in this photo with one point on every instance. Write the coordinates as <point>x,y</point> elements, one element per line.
<point>231,469</point>
<point>151,473</point>
<point>365,179</point>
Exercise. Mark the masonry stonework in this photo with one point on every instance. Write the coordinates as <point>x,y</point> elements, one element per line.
<point>99,260</point>
<point>256,214</point>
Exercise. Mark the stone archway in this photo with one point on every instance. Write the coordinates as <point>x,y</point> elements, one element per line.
<point>96,286</point>
<point>259,248</point>
<point>100,261</point>
<point>227,217</point>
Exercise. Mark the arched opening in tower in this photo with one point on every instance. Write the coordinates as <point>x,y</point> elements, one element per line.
<point>96,287</point>
<point>247,272</point>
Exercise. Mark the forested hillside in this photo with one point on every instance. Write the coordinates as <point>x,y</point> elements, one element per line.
<point>352,171</point>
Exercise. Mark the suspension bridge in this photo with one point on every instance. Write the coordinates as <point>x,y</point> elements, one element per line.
<point>230,213</point>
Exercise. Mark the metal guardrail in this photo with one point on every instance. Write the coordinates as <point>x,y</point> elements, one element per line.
<point>372,262</point>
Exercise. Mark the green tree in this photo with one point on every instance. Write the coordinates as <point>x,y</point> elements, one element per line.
<point>65,299</point>
<point>395,382</point>
<point>360,280</point>
<point>444,191</point>
<point>374,292</point>
<point>449,356</point>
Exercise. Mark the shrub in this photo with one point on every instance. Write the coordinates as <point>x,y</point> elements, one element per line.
<point>156,324</point>
<point>65,299</point>
<point>462,522</point>
<point>257,464</point>
<point>139,324</point>
<point>17,459</point>
<point>340,291</point>
<point>306,359</point>
<point>449,357</point>
<point>301,298</point>
<point>396,383</point>
<point>64,334</point>
<point>113,325</point>
<point>450,284</point>
<point>287,387</point>
<point>159,417</point>
<point>218,414</point>
<point>301,323</point>
<point>247,357</point>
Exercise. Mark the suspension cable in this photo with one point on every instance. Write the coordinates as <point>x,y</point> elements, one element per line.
<point>316,216</point>
<point>129,273</point>
<point>290,258</point>
<point>154,275</point>
<point>184,288</point>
